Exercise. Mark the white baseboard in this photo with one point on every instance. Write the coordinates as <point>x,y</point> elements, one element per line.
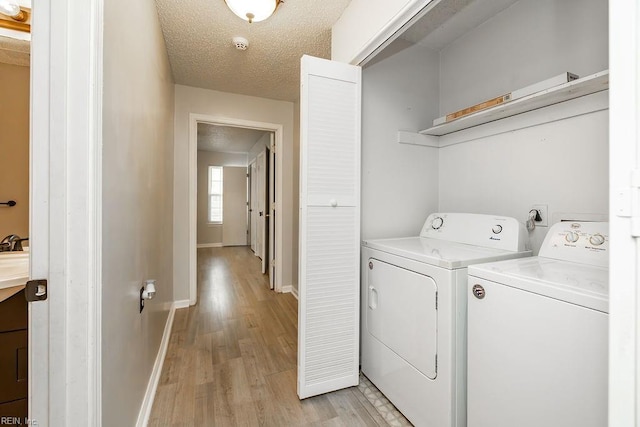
<point>290,290</point>
<point>152,386</point>
<point>208,245</point>
<point>183,303</point>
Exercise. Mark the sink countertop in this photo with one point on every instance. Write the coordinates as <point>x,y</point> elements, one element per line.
<point>14,270</point>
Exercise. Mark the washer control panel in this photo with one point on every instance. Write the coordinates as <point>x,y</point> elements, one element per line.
<point>576,241</point>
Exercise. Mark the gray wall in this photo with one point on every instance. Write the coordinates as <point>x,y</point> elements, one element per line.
<point>137,203</point>
<point>563,164</point>
<point>528,42</point>
<point>212,233</point>
<point>399,182</point>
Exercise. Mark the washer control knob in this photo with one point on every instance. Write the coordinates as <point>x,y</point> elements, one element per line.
<point>497,229</point>
<point>596,239</point>
<point>572,237</point>
<point>437,223</point>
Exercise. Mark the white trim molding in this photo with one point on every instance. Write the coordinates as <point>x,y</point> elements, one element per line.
<point>183,303</point>
<point>294,292</point>
<point>65,214</point>
<point>152,386</point>
<point>194,119</point>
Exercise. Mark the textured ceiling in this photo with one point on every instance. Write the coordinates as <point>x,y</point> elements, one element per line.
<point>199,33</point>
<point>227,139</point>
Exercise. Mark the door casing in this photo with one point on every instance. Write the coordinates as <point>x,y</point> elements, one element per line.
<point>194,119</point>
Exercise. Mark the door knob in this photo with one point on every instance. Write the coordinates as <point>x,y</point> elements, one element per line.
<point>333,202</point>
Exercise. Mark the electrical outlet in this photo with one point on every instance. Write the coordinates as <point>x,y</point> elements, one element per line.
<point>544,215</point>
<point>141,299</point>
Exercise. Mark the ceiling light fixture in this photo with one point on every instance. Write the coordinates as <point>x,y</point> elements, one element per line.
<point>253,10</point>
<point>12,10</point>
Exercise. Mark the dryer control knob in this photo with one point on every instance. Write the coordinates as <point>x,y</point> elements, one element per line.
<point>437,223</point>
<point>596,239</point>
<point>497,229</point>
<point>572,237</point>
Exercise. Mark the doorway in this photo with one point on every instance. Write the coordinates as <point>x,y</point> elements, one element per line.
<point>271,255</point>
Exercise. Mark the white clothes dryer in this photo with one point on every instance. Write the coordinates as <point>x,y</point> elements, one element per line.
<point>413,314</point>
<point>538,334</point>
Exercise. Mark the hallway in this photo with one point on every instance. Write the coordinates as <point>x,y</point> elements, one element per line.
<point>232,358</point>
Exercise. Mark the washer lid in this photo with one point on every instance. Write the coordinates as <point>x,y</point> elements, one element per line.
<point>580,284</point>
<point>441,253</point>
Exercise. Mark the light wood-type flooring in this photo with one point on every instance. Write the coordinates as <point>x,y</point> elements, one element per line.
<point>232,358</point>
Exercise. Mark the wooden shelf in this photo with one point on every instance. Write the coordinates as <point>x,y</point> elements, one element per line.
<point>587,85</point>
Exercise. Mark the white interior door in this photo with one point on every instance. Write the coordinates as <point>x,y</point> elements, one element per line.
<point>234,206</point>
<point>271,206</point>
<point>65,213</point>
<point>624,218</point>
<point>328,309</point>
<point>261,241</point>
<point>253,207</point>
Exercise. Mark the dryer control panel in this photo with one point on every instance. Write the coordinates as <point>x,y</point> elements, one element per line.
<point>576,241</point>
<point>488,231</point>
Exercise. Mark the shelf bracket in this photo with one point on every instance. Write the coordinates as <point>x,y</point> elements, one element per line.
<point>414,138</point>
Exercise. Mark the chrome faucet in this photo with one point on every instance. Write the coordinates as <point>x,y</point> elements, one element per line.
<point>12,242</point>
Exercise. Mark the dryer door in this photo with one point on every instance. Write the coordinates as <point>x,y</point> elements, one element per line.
<point>401,313</point>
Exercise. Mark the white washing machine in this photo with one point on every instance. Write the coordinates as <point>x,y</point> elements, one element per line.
<point>414,305</point>
<point>537,334</point>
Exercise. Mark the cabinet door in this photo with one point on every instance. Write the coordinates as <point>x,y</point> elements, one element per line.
<point>328,309</point>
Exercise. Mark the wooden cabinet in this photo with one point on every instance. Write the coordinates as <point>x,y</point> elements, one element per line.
<point>13,357</point>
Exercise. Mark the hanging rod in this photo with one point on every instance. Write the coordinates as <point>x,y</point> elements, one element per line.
<point>9,203</point>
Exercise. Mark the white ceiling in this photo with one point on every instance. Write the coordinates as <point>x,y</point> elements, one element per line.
<point>227,139</point>
<point>198,35</point>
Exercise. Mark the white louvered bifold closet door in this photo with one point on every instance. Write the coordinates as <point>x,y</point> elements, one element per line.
<point>329,274</point>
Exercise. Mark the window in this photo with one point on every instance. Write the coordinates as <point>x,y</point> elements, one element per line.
<point>215,194</point>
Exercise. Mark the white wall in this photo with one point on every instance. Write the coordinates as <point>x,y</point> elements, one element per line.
<point>528,42</point>
<point>226,105</point>
<point>211,233</point>
<point>563,164</point>
<point>399,182</point>
<point>363,23</point>
<point>137,203</point>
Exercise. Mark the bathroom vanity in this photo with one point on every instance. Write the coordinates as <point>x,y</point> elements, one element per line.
<point>14,272</point>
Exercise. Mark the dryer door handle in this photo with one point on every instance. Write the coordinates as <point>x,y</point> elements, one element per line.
<point>373,298</point>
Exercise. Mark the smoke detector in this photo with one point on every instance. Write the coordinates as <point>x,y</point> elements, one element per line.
<point>240,43</point>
